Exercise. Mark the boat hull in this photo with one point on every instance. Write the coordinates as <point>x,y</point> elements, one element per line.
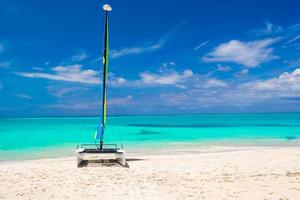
<point>85,155</point>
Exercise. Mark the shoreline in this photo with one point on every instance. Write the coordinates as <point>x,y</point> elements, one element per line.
<point>189,152</point>
<point>165,148</point>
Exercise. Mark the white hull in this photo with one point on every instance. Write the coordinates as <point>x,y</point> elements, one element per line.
<point>82,156</point>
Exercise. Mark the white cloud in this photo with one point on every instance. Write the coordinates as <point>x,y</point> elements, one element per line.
<point>70,73</point>
<point>4,64</point>
<point>38,68</point>
<point>213,83</point>
<point>187,73</point>
<point>147,48</point>
<point>118,80</point>
<point>62,91</point>
<point>89,103</point>
<point>179,79</point>
<point>169,64</point>
<point>223,68</point>
<point>115,80</point>
<point>137,50</point>
<point>244,71</point>
<point>79,57</point>
<point>76,58</point>
<point>268,29</point>
<point>165,78</point>
<point>288,34</point>
<point>277,90</point>
<point>285,84</point>
<point>120,101</point>
<point>271,28</point>
<point>23,96</point>
<point>297,37</point>
<point>200,45</point>
<point>250,54</point>
<point>193,99</point>
<point>174,99</point>
<point>76,106</point>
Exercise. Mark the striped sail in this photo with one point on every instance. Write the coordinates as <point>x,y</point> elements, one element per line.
<point>105,69</point>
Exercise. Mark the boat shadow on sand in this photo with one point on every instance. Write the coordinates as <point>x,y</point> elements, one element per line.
<point>108,163</point>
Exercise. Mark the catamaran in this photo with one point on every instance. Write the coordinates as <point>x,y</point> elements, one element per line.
<point>99,150</point>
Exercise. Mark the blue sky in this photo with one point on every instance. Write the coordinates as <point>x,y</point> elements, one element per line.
<point>166,57</point>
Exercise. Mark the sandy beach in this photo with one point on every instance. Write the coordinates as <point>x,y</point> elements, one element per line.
<point>264,173</point>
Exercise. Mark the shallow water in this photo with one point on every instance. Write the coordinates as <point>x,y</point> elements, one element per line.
<point>27,138</point>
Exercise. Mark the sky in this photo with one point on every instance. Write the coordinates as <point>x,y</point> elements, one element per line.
<point>166,57</point>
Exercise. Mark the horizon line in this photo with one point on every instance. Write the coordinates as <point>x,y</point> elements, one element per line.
<point>124,115</point>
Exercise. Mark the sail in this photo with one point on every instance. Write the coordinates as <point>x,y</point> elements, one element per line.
<point>105,69</point>
<point>100,130</point>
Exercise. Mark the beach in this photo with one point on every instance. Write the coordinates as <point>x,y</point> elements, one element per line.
<point>200,97</point>
<point>249,173</point>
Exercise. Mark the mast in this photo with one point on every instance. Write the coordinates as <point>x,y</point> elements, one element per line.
<point>106,8</point>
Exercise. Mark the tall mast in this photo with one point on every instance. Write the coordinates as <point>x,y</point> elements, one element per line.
<point>106,8</point>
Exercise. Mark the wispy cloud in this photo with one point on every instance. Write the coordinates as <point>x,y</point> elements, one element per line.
<point>168,64</point>
<point>244,71</point>
<point>213,83</point>
<point>291,34</point>
<point>70,73</point>
<point>1,48</point>
<point>76,106</point>
<point>23,96</point>
<point>196,91</point>
<point>293,63</point>
<point>5,64</point>
<point>280,89</point>
<point>38,68</point>
<point>90,105</point>
<point>61,91</point>
<point>223,68</point>
<point>288,34</point>
<point>160,43</point>
<point>171,78</point>
<point>80,56</point>
<point>297,37</point>
<point>200,45</point>
<point>165,78</point>
<point>114,80</point>
<point>120,101</point>
<point>249,54</point>
<point>137,50</point>
<point>285,84</point>
<point>268,29</point>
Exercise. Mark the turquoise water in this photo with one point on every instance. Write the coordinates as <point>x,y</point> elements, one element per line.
<point>22,138</point>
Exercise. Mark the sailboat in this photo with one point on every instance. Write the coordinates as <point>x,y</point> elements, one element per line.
<point>99,150</point>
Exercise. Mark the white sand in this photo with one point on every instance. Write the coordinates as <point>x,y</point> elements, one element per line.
<point>250,174</point>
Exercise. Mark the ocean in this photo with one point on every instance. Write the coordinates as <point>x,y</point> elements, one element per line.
<point>32,138</point>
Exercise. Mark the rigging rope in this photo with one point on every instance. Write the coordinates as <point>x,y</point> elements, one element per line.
<point>85,119</point>
<point>113,109</point>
